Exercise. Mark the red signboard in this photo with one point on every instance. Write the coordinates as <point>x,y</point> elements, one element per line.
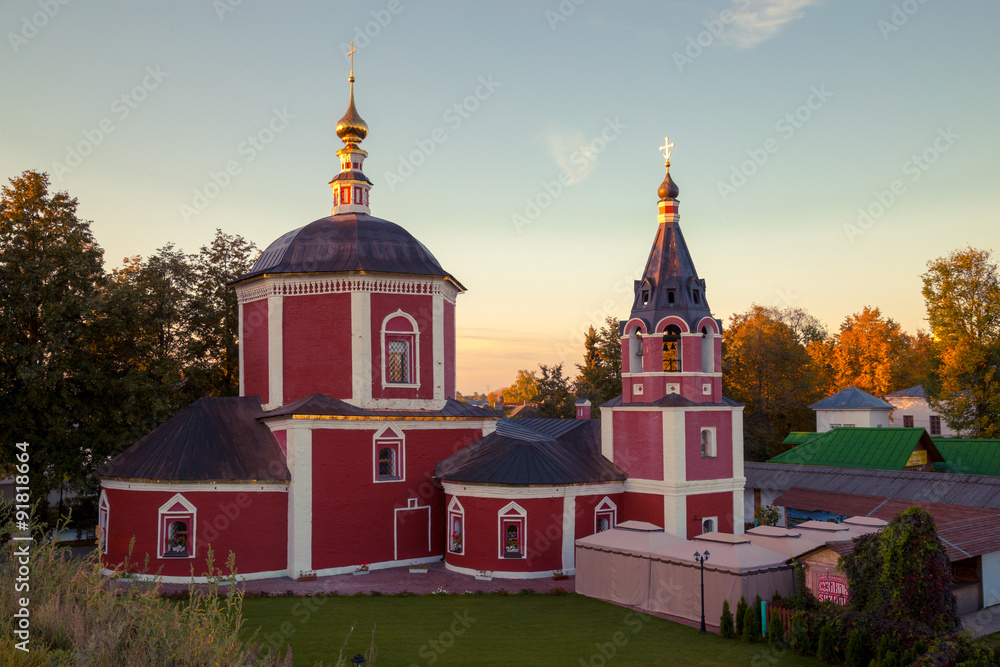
<point>833,588</point>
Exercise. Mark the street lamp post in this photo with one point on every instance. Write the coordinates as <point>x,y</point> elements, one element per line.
<point>701,558</point>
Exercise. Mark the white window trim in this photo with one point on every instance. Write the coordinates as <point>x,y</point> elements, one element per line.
<point>165,517</point>
<point>713,519</point>
<point>712,451</point>
<point>606,506</point>
<point>103,519</point>
<point>389,435</point>
<point>512,511</point>
<point>415,351</point>
<point>455,509</point>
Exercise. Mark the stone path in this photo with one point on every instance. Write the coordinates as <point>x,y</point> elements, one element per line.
<point>395,580</point>
<point>983,622</point>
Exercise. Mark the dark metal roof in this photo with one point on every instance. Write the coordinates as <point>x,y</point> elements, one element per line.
<point>326,406</point>
<point>851,398</point>
<point>348,243</point>
<point>533,452</point>
<point>970,490</point>
<point>211,439</point>
<point>916,391</point>
<point>965,531</point>
<point>672,401</point>
<point>670,268</point>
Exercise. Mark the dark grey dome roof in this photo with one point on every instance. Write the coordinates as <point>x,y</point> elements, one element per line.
<point>349,242</point>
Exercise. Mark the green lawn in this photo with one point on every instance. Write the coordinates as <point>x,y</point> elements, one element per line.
<point>468,630</point>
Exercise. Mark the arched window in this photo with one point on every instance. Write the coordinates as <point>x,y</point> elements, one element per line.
<point>400,350</point>
<point>389,454</point>
<point>103,519</point>
<point>709,524</point>
<point>708,449</point>
<point>672,349</point>
<point>512,521</point>
<point>635,351</point>
<point>707,351</point>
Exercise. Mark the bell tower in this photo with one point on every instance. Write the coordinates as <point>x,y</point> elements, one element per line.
<point>675,434</point>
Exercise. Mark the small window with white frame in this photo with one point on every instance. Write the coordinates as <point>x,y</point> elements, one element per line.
<point>176,531</point>
<point>513,524</point>
<point>400,351</point>
<point>103,519</point>
<point>605,515</point>
<point>456,527</point>
<point>709,448</point>
<point>709,524</point>
<point>388,448</point>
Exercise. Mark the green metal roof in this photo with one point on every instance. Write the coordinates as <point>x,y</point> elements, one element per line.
<point>968,456</point>
<point>878,448</point>
<point>798,437</point>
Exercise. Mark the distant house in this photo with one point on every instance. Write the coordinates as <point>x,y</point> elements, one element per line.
<point>851,407</point>
<point>910,408</point>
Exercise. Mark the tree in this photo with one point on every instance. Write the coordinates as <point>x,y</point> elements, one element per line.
<point>768,370</point>
<point>524,389</point>
<point>903,574</point>
<point>554,398</point>
<point>50,270</point>
<point>962,296</point>
<point>214,314</point>
<point>600,377</point>
<point>869,353</point>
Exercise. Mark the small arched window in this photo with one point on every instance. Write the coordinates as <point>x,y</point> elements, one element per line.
<point>400,350</point>
<point>513,527</point>
<point>707,351</point>
<point>635,351</point>
<point>389,454</point>
<point>709,525</point>
<point>672,349</point>
<point>708,449</point>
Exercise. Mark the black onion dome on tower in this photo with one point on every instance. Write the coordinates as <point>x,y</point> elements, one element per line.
<point>670,284</point>
<point>349,243</point>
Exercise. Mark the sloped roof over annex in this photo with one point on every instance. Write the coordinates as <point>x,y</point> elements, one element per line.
<point>969,456</point>
<point>851,398</point>
<point>213,439</point>
<point>540,452</point>
<point>321,406</point>
<point>883,448</point>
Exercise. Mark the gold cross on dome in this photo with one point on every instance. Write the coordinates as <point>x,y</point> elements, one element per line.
<point>351,54</point>
<point>666,148</point>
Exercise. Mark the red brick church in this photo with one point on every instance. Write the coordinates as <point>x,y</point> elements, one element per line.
<point>347,446</point>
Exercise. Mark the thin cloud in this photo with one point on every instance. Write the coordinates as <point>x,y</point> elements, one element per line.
<point>763,19</point>
<point>572,153</point>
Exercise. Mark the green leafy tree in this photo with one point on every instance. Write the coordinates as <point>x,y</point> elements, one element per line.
<point>600,377</point>
<point>726,627</point>
<point>554,397</point>
<point>751,625</point>
<point>827,650</point>
<point>903,574</point>
<point>962,296</point>
<point>800,634</point>
<point>50,271</point>
<point>213,314</point>
<point>741,611</point>
<point>870,352</point>
<point>524,389</point>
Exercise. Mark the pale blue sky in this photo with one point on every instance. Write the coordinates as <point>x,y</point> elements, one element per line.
<point>886,81</point>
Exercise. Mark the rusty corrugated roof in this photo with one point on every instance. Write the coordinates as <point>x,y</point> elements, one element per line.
<point>542,452</point>
<point>213,439</point>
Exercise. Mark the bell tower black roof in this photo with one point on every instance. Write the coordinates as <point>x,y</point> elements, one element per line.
<point>670,284</point>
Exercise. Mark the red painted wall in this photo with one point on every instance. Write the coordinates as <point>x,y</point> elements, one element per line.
<point>642,507</point>
<point>639,443</point>
<point>543,537</point>
<point>254,344</point>
<point>419,307</point>
<point>317,346</point>
<point>720,466</point>
<point>353,516</point>
<point>253,525</point>
<point>282,438</point>
<point>710,504</point>
<point>450,363</point>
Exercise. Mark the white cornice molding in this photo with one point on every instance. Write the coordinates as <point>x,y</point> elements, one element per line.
<point>187,487</point>
<point>700,486</point>
<point>300,284</point>
<point>468,490</point>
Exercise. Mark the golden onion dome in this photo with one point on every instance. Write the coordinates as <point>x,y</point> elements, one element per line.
<point>668,189</point>
<point>352,128</point>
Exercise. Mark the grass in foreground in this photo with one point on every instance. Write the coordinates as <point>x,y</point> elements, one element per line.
<point>494,630</point>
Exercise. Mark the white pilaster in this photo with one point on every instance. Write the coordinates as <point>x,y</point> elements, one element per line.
<point>569,532</point>
<point>675,513</point>
<point>437,331</point>
<point>674,460</point>
<point>275,352</point>
<point>299,461</point>
<point>608,434</point>
<point>361,348</point>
